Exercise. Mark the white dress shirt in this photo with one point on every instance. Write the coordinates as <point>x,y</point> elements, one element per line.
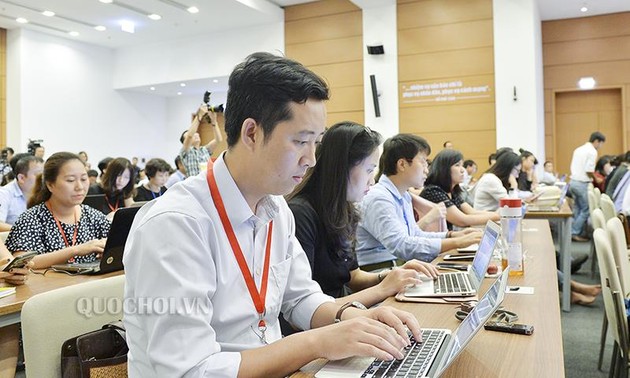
<point>177,248</point>
<point>583,160</point>
<point>12,202</point>
<point>388,231</point>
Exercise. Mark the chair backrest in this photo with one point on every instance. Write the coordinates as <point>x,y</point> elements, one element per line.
<point>4,235</point>
<point>611,290</point>
<point>50,318</point>
<point>598,220</point>
<point>591,202</point>
<point>598,196</point>
<point>607,206</point>
<point>617,238</point>
<point>626,227</point>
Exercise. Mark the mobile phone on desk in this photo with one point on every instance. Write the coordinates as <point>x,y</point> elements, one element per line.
<point>459,257</point>
<point>521,329</point>
<point>20,261</point>
<point>442,265</point>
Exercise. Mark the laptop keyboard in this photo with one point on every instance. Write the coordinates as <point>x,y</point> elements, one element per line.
<point>452,283</point>
<point>417,361</point>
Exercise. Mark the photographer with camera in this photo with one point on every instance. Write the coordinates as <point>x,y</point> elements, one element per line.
<point>5,157</point>
<point>192,153</point>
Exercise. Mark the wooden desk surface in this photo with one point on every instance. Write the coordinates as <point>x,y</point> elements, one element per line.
<point>496,354</point>
<point>39,284</point>
<point>565,212</point>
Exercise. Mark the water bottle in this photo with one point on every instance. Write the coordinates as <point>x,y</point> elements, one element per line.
<point>511,213</point>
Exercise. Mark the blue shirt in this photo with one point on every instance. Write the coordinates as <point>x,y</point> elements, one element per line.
<point>388,230</point>
<point>12,202</point>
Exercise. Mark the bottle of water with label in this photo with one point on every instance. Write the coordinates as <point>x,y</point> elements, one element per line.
<point>511,213</point>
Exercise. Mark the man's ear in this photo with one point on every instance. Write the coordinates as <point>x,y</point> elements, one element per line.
<point>401,164</point>
<point>249,132</point>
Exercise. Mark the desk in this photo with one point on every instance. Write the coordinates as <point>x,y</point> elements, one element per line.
<point>495,354</point>
<point>11,306</point>
<point>563,220</point>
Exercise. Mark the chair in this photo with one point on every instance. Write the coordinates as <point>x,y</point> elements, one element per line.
<point>613,302</point>
<point>50,318</point>
<point>607,206</point>
<point>598,196</point>
<point>591,202</point>
<point>4,235</point>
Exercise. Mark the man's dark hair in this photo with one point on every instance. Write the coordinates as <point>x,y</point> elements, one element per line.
<point>597,137</point>
<point>445,143</point>
<point>16,158</point>
<point>156,165</point>
<point>178,161</point>
<point>401,146</point>
<point>469,163</point>
<point>92,173</point>
<point>262,87</point>
<point>547,162</point>
<point>23,164</point>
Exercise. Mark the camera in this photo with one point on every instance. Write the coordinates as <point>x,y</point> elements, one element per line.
<point>206,100</point>
<point>33,144</point>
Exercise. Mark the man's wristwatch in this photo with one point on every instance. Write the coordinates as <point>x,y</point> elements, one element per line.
<point>354,304</point>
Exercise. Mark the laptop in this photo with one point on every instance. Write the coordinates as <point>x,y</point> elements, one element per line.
<point>550,208</point>
<point>461,284</point>
<point>114,247</point>
<point>437,351</point>
<point>98,202</point>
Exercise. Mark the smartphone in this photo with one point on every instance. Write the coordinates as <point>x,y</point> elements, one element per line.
<point>463,267</point>
<point>20,261</point>
<point>459,257</point>
<point>521,329</point>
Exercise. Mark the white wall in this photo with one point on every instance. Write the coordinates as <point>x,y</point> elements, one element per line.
<point>518,63</point>
<point>379,27</point>
<point>61,91</point>
<point>198,57</point>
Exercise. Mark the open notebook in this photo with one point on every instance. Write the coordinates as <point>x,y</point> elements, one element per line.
<point>434,354</point>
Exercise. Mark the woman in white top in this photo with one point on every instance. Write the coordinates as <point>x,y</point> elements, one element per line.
<point>498,180</point>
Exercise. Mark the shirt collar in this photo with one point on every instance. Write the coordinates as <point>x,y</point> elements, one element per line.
<point>235,204</point>
<point>15,188</point>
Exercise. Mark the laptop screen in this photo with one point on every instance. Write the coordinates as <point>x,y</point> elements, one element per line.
<point>475,320</point>
<point>485,250</point>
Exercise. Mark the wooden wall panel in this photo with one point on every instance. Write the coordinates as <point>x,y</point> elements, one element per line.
<point>596,46</point>
<point>448,41</point>
<point>327,37</point>
<point>413,13</point>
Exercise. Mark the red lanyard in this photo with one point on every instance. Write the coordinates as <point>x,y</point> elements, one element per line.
<point>257,298</point>
<point>112,208</point>
<point>63,234</point>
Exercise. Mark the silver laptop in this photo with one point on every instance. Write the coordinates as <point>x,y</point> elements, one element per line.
<point>461,284</point>
<point>551,208</point>
<point>437,351</point>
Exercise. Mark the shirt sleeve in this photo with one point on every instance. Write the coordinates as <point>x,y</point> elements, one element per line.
<point>589,163</point>
<point>436,195</point>
<point>176,345</point>
<point>5,201</point>
<point>381,220</point>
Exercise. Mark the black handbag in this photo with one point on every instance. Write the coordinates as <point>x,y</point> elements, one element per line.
<point>96,354</point>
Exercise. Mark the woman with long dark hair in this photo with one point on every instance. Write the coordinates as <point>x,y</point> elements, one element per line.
<point>498,180</point>
<point>57,225</point>
<point>443,186</point>
<point>117,184</point>
<point>326,217</point>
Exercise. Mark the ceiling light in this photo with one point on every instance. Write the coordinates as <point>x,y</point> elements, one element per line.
<point>152,88</point>
<point>193,10</point>
<point>179,93</point>
<point>48,13</point>
<point>21,20</point>
<point>155,17</point>
<point>583,9</point>
<point>215,81</point>
<point>128,26</point>
<point>106,1</point>
<point>182,84</point>
<point>100,28</point>
<point>586,83</point>
<point>74,33</point>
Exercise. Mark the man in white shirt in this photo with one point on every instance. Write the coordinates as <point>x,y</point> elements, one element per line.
<point>582,168</point>
<point>178,175</point>
<point>15,195</point>
<point>220,250</point>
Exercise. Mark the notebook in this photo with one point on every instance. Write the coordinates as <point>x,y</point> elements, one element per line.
<point>437,351</point>
<point>114,247</point>
<point>464,284</point>
<point>552,208</point>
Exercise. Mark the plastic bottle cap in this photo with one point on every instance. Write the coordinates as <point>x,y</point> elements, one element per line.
<point>510,202</point>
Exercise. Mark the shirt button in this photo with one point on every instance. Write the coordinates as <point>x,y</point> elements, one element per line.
<point>258,272</point>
